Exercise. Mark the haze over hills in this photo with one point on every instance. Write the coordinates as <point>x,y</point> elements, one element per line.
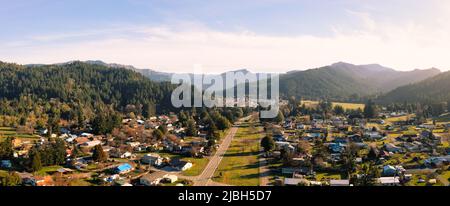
<point>435,89</point>
<point>382,78</point>
<point>347,81</point>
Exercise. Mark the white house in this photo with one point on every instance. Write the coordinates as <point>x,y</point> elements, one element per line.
<point>91,143</point>
<point>152,179</point>
<point>389,181</point>
<point>339,182</point>
<point>170,178</point>
<point>152,159</point>
<point>182,165</point>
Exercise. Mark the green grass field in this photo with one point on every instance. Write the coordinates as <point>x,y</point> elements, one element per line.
<point>321,176</point>
<point>397,119</point>
<point>198,165</point>
<point>6,132</point>
<point>48,170</point>
<point>240,165</point>
<point>346,106</point>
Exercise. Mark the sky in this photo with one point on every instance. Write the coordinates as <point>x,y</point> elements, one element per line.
<point>223,35</point>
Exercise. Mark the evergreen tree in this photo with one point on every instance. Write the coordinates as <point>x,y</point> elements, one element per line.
<point>163,129</point>
<point>268,143</point>
<point>98,154</point>
<point>191,129</point>
<point>36,163</point>
<point>59,151</point>
<point>339,110</point>
<point>6,149</point>
<point>370,110</point>
<point>99,125</point>
<point>149,110</point>
<point>157,134</point>
<point>222,123</point>
<point>279,118</point>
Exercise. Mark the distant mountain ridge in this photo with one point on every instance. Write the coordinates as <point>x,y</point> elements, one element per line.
<point>435,89</point>
<point>348,81</point>
<point>340,81</point>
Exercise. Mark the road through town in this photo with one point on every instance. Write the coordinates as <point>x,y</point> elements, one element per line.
<point>205,178</point>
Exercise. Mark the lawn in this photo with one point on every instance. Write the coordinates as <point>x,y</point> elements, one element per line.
<point>79,182</point>
<point>346,106</point>
<point>11,132</point>
<point>3,173</point>
<point>446,175</point>
<point>415,180</point>
<point>400,118</point>
<point>198,165</point>
<point>321,176</point>
<point>48,170</point>
<point>240,165</point>
<point>351,106</point>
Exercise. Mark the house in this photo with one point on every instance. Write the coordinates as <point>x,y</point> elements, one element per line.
<point>81,140</point>
<point>413,147</point>
<point>389,181</point>
<point>279,138</point>
<point>389,170</point>
<point>427,126</point>
<point>314,135</point>
<point>64,170</point>
<point>437,161</point>
<point>91,144</point>
<point>111,178</point>
<point>16,142</point>
<point>300,126</point>
<point>6,164</point>
<point>170,178</point>
<point>339,182</point>
<point>337,122</point>
<point>85,134</point>
<point>296,170</point>
<point>373,135</point>
<point>336,147</point>
<point>44,181</point>
<point>64,131</point>
<point>392,148</point>
<point>133,144</point>
<point>27,179</point>
<point>296,182</point>
<point>152,179</point>
<point>126,155</point>
<point>152,159</point>
<point>284,146</point>
<point>123,169</point>
<point>43,131</point>
<point>181,165</point>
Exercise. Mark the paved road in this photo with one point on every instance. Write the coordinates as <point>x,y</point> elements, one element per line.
<point>204,179</point>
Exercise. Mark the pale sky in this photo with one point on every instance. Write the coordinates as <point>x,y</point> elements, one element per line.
<point>259,35</point>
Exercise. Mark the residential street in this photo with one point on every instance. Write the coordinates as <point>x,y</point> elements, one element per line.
<point>204,179</point>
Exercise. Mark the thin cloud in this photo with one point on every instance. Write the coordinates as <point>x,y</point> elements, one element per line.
<point>178,48</point>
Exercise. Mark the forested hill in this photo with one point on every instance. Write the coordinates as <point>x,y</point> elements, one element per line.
<point>435,90</point>
<point>343,81</point>
<point>83,85</point>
